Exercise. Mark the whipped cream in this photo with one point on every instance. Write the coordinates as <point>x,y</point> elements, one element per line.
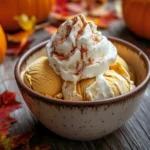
<point>78,51</point>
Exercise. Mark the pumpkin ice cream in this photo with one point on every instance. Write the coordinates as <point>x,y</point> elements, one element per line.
<point>116,81</point>
<point>41,78</point>
<point>82,65</point>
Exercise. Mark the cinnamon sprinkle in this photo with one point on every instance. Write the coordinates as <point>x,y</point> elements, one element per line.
<point>61,56</point>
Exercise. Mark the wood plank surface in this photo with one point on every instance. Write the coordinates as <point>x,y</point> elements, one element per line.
<point>134,135</point>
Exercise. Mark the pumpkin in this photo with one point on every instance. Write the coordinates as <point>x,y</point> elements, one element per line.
<point>3,44</point>
<point>11,8</point>
<point>137,16</point>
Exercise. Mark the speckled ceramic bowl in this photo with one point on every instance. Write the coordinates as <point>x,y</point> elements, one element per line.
<point>86,120</point>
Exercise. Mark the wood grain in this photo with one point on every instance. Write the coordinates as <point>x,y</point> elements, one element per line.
<point>134,135</point>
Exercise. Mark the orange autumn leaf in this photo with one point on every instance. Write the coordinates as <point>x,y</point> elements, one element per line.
<point>3,44</point>
<point>51,29</point>
<point>19,36</point>
<point>18,48</point>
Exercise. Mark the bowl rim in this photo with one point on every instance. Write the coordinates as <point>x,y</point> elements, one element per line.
<point>48,100</point>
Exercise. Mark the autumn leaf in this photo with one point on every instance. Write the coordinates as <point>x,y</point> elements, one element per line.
<point>51,29</point>
<point>25,22</point>
<point>7,105</point>
<point>19,36</point>
<point>22,37</point>
<point>22,139</point>
<point>17,48</point>
<point>20,40</point>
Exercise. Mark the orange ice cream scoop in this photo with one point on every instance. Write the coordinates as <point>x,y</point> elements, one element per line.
<point>41,78</point>
<point>122,68</point>
<point>116,81</point>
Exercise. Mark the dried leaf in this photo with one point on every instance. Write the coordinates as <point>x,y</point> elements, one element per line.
<point>7,105</point>
<point>18,48</point>
<point>19,36</point>
<point>51,29</point>
<point>22,139</point>
<point>25,23</point>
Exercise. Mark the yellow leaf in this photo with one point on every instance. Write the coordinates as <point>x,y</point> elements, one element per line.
<point>25,22</point>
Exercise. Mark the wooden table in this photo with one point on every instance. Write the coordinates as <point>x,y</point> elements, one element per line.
<point>134,135</point>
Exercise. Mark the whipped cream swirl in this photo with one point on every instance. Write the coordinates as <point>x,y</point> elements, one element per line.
<point>78,51</point>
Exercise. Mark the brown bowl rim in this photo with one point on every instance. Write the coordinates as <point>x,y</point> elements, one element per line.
<point>120,98</point>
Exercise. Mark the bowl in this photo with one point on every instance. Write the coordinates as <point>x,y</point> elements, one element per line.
<point>86,120</point>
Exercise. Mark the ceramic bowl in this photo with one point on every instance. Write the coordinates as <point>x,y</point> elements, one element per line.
<point>86,120</point>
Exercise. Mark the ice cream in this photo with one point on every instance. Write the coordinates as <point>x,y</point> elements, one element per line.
<point>82,56</point>
<point>78,51</point>
<point>116,81</point>
<point>81,65</point>
<point>40,77</point>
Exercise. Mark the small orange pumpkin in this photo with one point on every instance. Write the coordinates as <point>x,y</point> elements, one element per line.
<point>137,16</point>
<point>3,44</point>
<point>11,8</point>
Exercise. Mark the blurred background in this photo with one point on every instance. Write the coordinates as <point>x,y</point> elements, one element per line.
<point>20,20</point>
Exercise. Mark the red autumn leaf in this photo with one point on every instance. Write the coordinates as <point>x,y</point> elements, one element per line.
<point>5,123</point>
<point>17,48</point>
<point>7,105</point>
<point>7,98</point>
<point>22,139</point>
<point>51,29</point>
